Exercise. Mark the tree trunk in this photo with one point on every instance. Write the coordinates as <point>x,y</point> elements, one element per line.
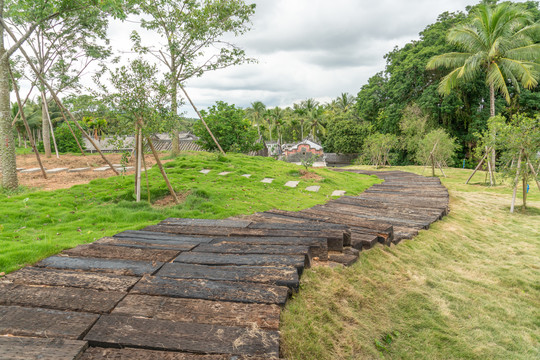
<point>432,166</point>
<point>492,113</point>
<point>45,130</point>
<point>46,105</point>
<point>138,140</point>
<point>516,182</point>
<point>524,193</point>
<point>7,144</point>
<point>535,174</point>
<point>175,142</point>
<point>19,136</point>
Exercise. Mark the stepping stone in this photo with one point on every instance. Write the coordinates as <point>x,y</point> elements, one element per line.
<point>292,184</point>
<point>313,188</point>
<point>127,168</point>
<point>104,168</point>
<point>267,180</point>
<point>338,193</point>
<point>247,176</point>
<point>224,173</point>
<point>79,169</point>
<point>20,169</point>
<point>32,170</point>
<point>56,170</point>
<point>205,171</point>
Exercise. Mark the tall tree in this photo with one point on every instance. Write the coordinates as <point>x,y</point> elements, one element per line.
<point>501,42</point>
<point>256,113</point>
<point>194,38</point>
<point>32,13</point>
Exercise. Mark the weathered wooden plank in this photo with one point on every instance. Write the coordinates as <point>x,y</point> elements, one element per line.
<point>207,222</point>
<point>114,266</point>
<point>212,290</point>
<point>283,276</point>
<point>200,311</point>
<point>363,241</point>
<point>177,336</point>
<point>97,353</point>
<point>61,298</point>
<point>161,236</point>
<point>233,248</point>
<point>78,279</point>
<point>335,242</point>
<point>345,259</point>
<point>24,348</point>
<point>121,252</point>
<point>22,321</point>
<point>317,246</point>
<point>298,261</point>
<point>148,244</point>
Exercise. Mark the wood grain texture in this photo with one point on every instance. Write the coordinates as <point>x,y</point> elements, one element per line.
<point>113,266</point>
<point>200,311</point>
<point>22,321</point>
<point>24,348</point>
<point>176,336</point>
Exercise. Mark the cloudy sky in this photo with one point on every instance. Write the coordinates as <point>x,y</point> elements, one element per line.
<point>311,48</point>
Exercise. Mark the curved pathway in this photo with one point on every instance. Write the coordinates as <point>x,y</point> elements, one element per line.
<point>189,287</point>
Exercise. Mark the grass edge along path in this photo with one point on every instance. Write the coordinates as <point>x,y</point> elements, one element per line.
<point>38,224</point>
<point>467,288</point>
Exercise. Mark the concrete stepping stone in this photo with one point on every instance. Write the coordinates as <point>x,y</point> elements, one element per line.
<point>292,184</point>
<point>314,188</point>
<point>205,171</point>
<point>247,176</point>
<point>79,169</point>
<point>267,180</point>
<point>18,169</point>
<point>56,170</point>
<point>104,168</point>
<point>224,173</point>
<point>338,193</point>
<point>32,170</point>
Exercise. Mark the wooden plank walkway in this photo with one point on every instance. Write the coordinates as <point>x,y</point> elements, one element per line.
<point>192,289</point>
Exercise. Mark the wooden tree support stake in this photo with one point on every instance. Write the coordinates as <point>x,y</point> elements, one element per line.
<point>200,117</point>
<point>154,152</point>
<point>27,127</point>
<point>535,174</point>
<point>516,181</point>
<point>477,167</point>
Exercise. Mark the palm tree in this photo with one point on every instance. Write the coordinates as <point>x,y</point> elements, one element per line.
<point>315,121</point>
<point>277,116</point>
<point>500,42</point>
<point>256,113</point>
<point>344,102</point>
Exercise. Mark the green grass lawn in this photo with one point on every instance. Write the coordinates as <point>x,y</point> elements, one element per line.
<point>36,224</point>
<point>467,288</point>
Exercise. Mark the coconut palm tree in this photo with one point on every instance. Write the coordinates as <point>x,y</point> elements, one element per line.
<point>256,113</point>
<point>344,102</point>
<point>500,42</point>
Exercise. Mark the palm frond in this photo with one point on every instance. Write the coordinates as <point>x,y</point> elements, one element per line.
<point>450,81</point>
<point>526,75</point>
<point>467,37</point>
<point>525,53</point>
<point>448,60</point>
<point>496,77</point>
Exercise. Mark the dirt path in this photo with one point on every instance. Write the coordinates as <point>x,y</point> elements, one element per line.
<point>65,180</point>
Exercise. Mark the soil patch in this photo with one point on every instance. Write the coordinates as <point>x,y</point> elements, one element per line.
<point>66,180</point>
<point>308,175</point>
<point>168,200</point>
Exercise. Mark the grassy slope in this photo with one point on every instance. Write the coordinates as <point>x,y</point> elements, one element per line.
<point>468,288</point>
<point>37,224</point>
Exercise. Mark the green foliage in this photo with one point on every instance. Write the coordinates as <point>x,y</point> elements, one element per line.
<point>377,148</point>
<point>519,142</point>
<point>414,125</point>
<point>308,160</point>
<point>346,135</point>
<point>438,144</point>
<point>139,97</point>
<point>230,127</point>
<point>65,141</point>
<point>501,42</point>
